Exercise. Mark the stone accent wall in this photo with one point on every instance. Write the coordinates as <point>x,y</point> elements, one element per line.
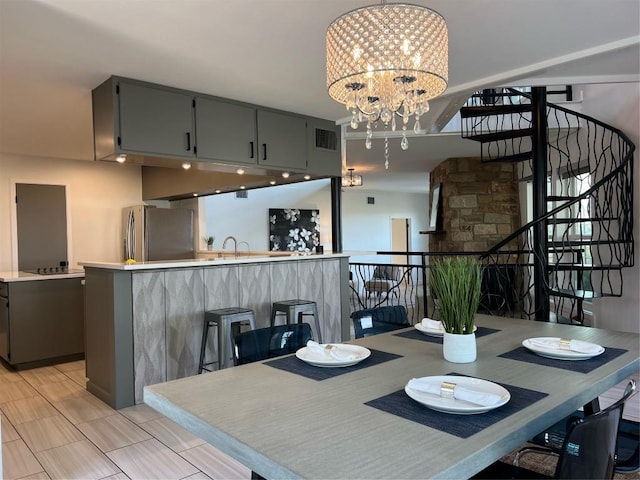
<point>480,204</point>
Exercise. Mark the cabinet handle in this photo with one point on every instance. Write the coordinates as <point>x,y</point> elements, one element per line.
<point>250,149</point>
<point>188,141</point>
<point>264,151</point>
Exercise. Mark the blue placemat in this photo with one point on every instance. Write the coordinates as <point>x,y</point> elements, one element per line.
<point>417,335</point>
<point>463,426</point>
<point>294,365</point>
<point>583,366</point>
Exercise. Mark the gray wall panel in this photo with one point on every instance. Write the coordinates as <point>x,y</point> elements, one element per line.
<point>332,314</point>
<point>149,330</point>
<point>254,291</point>
<point>184,294</point>
<point>310,288</point>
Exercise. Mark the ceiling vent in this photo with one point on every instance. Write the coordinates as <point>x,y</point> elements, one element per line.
<point>242,194</point>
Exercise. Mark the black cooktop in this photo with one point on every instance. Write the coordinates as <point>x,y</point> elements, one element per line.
<point>47,270</point>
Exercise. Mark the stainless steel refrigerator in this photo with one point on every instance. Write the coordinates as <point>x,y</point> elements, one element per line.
<point>152,233</point>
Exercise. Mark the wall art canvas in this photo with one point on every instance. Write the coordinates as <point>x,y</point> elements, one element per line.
<point>293,229</point>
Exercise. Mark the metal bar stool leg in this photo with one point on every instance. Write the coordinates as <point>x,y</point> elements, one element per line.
<point>312,310</point>
<point>203,345</point>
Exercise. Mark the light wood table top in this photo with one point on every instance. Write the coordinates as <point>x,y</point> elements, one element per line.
<point>284,425</point>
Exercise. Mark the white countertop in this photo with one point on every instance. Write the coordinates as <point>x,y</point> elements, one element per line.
<point>205,262</point>
<point>16,276</point>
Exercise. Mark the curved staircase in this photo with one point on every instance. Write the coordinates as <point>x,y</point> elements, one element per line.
<point>581,234</point>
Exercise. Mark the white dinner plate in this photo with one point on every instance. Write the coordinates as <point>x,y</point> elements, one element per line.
<point>434,332</point>
<point>460,407</point>
<point>322,360</point>
<point>556,353</point>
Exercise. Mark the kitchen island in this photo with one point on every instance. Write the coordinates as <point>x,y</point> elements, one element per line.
<point>143,322</point>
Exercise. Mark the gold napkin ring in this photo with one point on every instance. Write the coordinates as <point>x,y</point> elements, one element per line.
<point>446,389</point>
<point>564,344</point>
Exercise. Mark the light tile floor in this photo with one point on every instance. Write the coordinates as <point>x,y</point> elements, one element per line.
<point>53,428</point>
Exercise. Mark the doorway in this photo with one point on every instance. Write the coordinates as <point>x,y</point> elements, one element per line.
<point>401,239</point>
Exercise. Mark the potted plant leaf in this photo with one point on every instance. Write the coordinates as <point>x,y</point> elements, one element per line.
<point>209,241</point>
<point>456,283</point>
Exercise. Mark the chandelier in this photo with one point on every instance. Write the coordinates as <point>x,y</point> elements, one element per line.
<point>352,180</point>
<point>386,61</point>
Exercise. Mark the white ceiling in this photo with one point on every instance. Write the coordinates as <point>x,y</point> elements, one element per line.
<point>271,52</point>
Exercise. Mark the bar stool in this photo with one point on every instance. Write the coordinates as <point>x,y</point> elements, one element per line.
<point>227,321</point>
<point>296,309</point>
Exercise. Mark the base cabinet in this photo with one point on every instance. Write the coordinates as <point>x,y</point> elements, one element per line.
<point>41,320</point>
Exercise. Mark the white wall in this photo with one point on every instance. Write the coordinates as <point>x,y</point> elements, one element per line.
<point>619,106</point>
<point>365,227</point>
<point>96,193</point>
<point>368,227</point>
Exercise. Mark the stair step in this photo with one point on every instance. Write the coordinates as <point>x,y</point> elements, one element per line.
<point>501,135</point>
<point>577,243</point>
<point>559,198</point>
<point>485,110</point>
<point>555,318</point>
<point>516,157</point>
<point>582,220</point>
<point>580,294</point>
<point>576,267</point>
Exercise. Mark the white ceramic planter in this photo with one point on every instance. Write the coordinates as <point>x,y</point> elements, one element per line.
<point>459,348</point>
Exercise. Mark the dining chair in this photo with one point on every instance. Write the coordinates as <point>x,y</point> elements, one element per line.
<point>377,320</point>
<point>269,342</point>
<point>628,455</point>
<point>589,449</point>
<point>385,280</point>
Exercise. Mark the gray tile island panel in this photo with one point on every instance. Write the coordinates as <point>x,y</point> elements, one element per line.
<point>153,313</point>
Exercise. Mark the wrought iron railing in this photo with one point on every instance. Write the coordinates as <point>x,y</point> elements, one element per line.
<point>375,284</point>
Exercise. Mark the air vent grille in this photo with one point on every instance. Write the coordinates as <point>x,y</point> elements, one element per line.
<point>242,194</point>
<point>326,139</point>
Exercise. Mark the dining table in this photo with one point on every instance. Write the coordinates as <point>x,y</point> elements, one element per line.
<point>285,418</point>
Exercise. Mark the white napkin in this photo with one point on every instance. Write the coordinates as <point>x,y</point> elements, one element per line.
<point>432,324</point>
<point>574,345</point>
<point>459,393</point>
<point>333,353</point>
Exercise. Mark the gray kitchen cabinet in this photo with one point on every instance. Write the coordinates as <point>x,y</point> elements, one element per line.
<point>4,321</point>
<point>282,140</point>
<point>235,133</point>
<point>156,121</point>
<point>44,321</point>
<point>142,120</point>
<point>162,126</point>
<point>226,132</point>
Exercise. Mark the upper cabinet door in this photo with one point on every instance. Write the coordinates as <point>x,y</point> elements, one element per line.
<point>282,140</point>
<point>156,121</point>
<point>226,132</point>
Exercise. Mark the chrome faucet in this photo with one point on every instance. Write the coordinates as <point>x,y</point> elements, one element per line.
<point>247,244</point>
<point>235,244</point>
